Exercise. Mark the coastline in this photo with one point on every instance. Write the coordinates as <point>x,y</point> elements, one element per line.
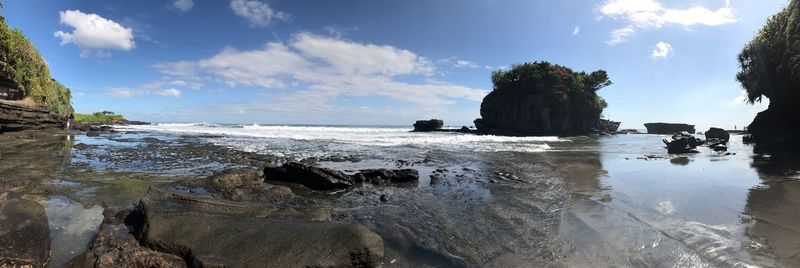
<point>546,202</point>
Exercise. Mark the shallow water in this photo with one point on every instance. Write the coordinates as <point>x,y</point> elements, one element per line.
<point>494,201</point>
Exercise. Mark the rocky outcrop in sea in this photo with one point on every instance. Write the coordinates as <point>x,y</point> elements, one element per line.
<point>668,128</point>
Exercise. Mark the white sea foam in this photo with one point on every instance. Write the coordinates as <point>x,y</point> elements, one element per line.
<point>354,136</point>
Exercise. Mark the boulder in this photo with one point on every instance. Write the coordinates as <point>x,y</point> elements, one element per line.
<point>312,177</point>
<point>238,236</point>
<point>245,185</point>
<point>116,247</point>
<point>378,176</point>
<point>24,234</point>
<point>428,125</point>
<point>682,143</point>
<point>668,128</point>
<point>718,133</point>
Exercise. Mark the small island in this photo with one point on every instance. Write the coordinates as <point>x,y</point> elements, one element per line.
<point>543,99</point>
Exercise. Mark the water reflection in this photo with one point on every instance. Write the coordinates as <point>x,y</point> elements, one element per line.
<point>633,205</point>
<point>30,162</point>
<point>774,209</point>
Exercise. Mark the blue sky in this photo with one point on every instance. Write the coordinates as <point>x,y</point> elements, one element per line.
<point>387,62</point>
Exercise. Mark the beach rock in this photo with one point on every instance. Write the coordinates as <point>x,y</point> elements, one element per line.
<point>668,128</point>
<point>718,133</point>
<point>378,176</point>
<point>218,234</point>
<point>312,177</point>
<point>24,234</point>
<point>246,185</point>
<point>16,117</point>
<point>116,247</point>
<point>682,143</point>
<point>428,125</point>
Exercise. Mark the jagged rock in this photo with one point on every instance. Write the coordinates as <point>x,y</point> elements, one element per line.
<point>312,177</point>
<point>116,247</point>
<point>428,125</point>
<point>17,117</point>
<point>24,234</point>
<point>668,128</point>
<point>217,234</point>
<point>378,176</point>
<point>718,133</point>
<point>682,143</point>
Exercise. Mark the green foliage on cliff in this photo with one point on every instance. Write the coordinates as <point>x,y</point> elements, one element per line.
<point>99,118</point>
<point>21,62</point>
<point>569,98</point>
<point>770,63</point>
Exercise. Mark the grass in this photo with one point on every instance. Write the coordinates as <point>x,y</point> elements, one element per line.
<point>99,118</point>
<point>21,61</point>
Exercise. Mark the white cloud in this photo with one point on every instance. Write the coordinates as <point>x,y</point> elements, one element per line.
<point>321,69</point>
<point>457,63</point>
<point>619,35</point>
<point>157,87</point>
<point>651,14</point>
<point>662,50</point>
<point>93,34</point>
<point>169,92</point>
<point>741,99</point>
<point>576,30</point>
<point>183,5</point>
<point>258,13</point>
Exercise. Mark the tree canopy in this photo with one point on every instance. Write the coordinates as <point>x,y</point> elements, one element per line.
<point>770,63</point>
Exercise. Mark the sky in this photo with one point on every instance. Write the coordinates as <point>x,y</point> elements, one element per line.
<point>382,62</point>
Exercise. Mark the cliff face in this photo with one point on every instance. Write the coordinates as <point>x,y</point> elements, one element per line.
<point>29,97</point>
<point>15,116</point>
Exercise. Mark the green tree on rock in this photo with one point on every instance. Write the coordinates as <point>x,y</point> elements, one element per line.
<point>541,98</point>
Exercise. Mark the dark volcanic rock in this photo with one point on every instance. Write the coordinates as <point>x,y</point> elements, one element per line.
<point>392,175</point>
<point>718,133</point>
<point>235,235</point>
<point>116,247</point>
<point>246,185</point>
<point>542,99</point>
<point>775,131</point>
<point>16,117</point>
<point>312,177</point>
<point>24,234</point>
<point>682,143</point>
<point>428,125</point>
<point>668,128</point>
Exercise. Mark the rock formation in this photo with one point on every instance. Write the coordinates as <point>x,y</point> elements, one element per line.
<point>428,125</point>
<point>15,117</point>
<point>768,68</point>
<point>311,177</point>
<point>542,99</point>
<point>718,133</point>
<point>668,128</point>
<point>24,234</point>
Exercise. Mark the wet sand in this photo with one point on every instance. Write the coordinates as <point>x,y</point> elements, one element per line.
<point>600,202</point>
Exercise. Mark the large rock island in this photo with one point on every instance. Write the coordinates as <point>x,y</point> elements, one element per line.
<point>769,68</point>
<point>668,128</point>
<point>542,99</point>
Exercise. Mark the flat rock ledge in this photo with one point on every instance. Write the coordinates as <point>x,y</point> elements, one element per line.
<point>214,233</point>
<point>24,234</point>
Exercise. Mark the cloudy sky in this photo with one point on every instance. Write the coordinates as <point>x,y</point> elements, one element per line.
<point>387,62</point>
